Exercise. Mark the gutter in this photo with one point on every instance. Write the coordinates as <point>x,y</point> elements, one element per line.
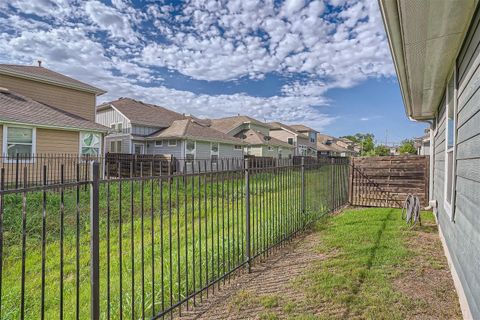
<point>96,91</point>
<point>51,127</point>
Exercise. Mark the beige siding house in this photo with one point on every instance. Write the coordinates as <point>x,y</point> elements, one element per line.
<point>311,145</point>
<point>291,136</point>
<point>45,112</point>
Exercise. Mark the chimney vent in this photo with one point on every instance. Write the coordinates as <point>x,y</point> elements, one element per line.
<point>39,63</point>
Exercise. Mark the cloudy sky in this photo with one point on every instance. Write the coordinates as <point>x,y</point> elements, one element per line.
<point>324,63</point>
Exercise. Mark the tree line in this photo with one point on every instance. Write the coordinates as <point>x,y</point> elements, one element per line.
<point>368,147</point>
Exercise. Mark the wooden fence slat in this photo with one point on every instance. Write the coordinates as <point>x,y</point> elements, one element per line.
<point>386,181</point>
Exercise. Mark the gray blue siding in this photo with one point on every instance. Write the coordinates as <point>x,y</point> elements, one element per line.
<point>462,235</point>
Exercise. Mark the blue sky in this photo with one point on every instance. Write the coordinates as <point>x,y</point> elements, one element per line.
<point>324,63</point>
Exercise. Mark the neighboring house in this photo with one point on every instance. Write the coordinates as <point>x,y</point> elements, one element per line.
<point>45,112</point>
<point>261,145</point>
<point>329,146</point>
<point>353,147</point>
<point>256,134</point>
<point>191,140</point>
<point>143,128</point>
<point>131,122</point>
<point>436,50</point>
<point>311,146</point>
<point>422,144</point>
<point>291,136</point>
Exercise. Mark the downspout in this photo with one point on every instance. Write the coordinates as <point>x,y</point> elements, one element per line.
<point>432,203</point>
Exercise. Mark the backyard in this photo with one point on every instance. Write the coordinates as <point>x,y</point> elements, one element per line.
<point>163,241</point>
<point>360,264</point>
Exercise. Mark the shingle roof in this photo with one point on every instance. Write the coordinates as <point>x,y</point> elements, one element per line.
<point>47,75</point>
<point>145,114</point>
<point>301,127</point>
<point>16,108</point>
<point>257,138</point>
<point>229,123</point>
<point>278,126</point>
<point>190,129</point>
<point>323,146</point>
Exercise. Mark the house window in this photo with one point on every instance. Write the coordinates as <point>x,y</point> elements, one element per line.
<point>450,137</point>
<point>19,141</point>
<point>116,146</point>
<point>190,150</point>
<point>270,148</point>
<point>290,141</point>
<point>90,143</point>
<point>214,151</point>
<point>117,126</point>
<point>158,143</point>
<point>138,148</point>
<point>172,143</point>
<point>238,147</point>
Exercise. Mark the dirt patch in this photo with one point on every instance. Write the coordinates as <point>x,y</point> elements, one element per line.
<point>266,293</point>
<point>428,280</point>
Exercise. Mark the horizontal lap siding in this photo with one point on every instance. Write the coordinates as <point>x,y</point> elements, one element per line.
<point>463,235</point>
<point>70,100</point>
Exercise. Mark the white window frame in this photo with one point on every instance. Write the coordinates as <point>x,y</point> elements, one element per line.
<point>238,147</point>
<point>100,150</point>
<point>215,153</point>
<point>270,148</point>
<point>116,145</point>
<point>172,144</point>
<point>5,143</point>
<point>158,143</point>
<point>139,144</point>
<point>449,207</point>
<point>194,150</point>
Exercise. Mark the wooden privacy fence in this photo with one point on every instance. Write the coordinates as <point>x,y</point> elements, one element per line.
<point>137,165</point>
<point>386,181</point>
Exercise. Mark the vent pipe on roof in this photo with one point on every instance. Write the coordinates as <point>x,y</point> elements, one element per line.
<point>39,63</point>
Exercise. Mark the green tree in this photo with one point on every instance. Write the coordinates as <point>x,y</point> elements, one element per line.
<point>382,150</point>
<point>407,147</point>
<point>366,142</point>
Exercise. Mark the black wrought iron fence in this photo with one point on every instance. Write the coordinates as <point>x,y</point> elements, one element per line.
<point>150,245</point>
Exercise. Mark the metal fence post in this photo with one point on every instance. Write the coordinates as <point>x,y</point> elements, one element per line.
<point>94,243</point>
<point>303,184</point>
<point>247,214</point>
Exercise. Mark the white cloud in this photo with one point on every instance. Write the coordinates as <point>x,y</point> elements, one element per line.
<point>110,19</point>
<point>310,50</point>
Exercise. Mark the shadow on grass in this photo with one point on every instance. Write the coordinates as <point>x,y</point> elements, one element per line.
<point>373,252</point>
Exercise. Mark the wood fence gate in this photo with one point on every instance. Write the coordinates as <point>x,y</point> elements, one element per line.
<point>386,181</point>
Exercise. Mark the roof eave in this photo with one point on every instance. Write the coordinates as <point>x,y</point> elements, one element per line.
<point>94,90</point>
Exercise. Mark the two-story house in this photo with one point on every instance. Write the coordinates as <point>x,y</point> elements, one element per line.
<point>311,145</point>
<point>291,136</point>
<point>142,128</point>
<point>256,134</point>
<point>45,112</point>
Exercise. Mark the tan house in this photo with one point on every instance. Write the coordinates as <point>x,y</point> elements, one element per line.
<point>291,136</point>
<point>311,146</point>
<point>331,146</point>
<point>256,134</point>
<point>45,112</point>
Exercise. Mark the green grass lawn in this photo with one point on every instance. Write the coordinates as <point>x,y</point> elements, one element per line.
<point>175,236</point>
<point>368,251</point>
<point>363,263</point>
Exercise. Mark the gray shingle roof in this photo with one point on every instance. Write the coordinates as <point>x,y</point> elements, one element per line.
<point>144,114</point>
<point>229,123</point>
<point>280,126</point>
<point>257,138</point>
<point>16,108</point>
<point>301,127</point>
<point>190,129</point>
<point>47,75</point>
